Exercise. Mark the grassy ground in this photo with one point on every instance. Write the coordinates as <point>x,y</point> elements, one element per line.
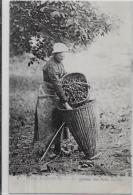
<point>114,104</point>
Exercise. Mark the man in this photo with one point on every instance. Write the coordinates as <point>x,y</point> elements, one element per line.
<point>50,96</point>
<point>54,70</point>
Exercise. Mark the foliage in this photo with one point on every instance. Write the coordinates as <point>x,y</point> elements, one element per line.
<point>35,26</point>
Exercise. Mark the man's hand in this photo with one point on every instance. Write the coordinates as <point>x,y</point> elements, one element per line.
<point>67,106</point>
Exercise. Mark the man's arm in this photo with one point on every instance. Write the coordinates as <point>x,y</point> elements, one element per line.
<point>54,79</point>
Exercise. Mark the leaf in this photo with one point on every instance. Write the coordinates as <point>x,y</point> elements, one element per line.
<point>55,14</point>
<point>69,22</point>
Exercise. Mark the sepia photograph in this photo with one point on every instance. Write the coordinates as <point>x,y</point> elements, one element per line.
<point>70,105</point>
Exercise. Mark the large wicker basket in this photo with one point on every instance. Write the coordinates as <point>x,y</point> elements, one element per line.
<point>82,123</point>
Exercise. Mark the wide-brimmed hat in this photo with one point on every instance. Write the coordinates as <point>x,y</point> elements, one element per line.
<point>59,47</point>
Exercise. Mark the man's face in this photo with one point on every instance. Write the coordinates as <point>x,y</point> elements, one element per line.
<point>59,56</point>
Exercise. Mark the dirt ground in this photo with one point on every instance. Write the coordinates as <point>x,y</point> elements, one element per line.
<point>113,145</point>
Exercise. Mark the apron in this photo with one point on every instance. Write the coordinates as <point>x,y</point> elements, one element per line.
<point>47,118</point>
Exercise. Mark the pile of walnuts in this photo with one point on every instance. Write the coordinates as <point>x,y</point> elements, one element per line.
<point>76,90</point>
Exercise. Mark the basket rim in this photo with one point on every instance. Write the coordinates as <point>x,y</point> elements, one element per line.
<point>72,74</point>
<point>80,107</point>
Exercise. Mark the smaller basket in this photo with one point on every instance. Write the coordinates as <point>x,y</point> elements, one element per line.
<point>77,77</point>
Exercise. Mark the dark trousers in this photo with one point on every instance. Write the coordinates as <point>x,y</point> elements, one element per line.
<point>57,122</point>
